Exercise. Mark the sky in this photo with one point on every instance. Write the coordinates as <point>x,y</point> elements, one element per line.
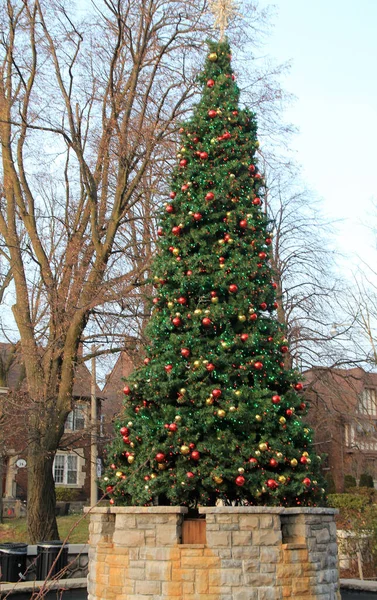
<point>332,46</point>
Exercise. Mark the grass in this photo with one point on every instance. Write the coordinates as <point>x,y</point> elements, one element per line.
<point>15,530</point>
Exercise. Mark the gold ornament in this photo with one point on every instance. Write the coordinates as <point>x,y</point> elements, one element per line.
<point>228,214</point>
<point>130,459</point>
<point>221,413</point>
<point>232,409</point>
<point>257,453</point>
<point>119,473</point>
<point>294,462</point>
<point>308,461</point>
<point>185,450</point>
<point>212,57</point>
<point>205,362</point>
<point>282,479</point>
<point>258,418</point>
<point>153,475</point>
<point>242,318</point>
<point>207,311</point>
<point>279,455</point>
<point>306,431</point>
<point>209,401</point>
<point>197,311</point>
<point>161,467</point>
<point>132,445</point>
<point>175,251</point>
<point>223,344</point>
<point>230,240</point>
<point>182,391</point>
<point>305,454</point>
<point>282,420</point>
<point>215,299</point>
<point>221,242</point>
<point>222,266</point>
<point>217,479</point>
<point>178,418</point>
<point>196,363</point>
<point>241,470</point>
<point>263,446</point>
<point>129,424</point>
<point>238,392</point>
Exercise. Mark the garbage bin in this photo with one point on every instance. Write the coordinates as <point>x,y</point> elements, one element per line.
<point>12,561</point>
<point>46,555</point>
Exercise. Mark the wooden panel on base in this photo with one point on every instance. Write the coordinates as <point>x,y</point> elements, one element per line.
<point>194,531</point>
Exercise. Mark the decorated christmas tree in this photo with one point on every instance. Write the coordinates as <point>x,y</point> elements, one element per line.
<point>213,414</point>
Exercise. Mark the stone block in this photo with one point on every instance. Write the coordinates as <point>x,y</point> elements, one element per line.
<point>322,535</point>
<point>270,554</point>
<point>269,522</point>
<point>251,566</point>
<point>182,574</point>
<point>171,588</point>
<point>260,579</point>
<point>148,587</point>
<point>199,562</point>
<point>218,538</point>
<point>247,552</point>
<point>136,574</point>
<point>231,577</point>
<point>125,521</point>
<point>158,571</point>
<point>167,535</point>
<point>133,537</point>
<point>187,588</point>
<point>224,552</point>
<point>248,522</point>
<point>231,564</point>
<point>268,593</point>
<point>267,537</point>
<point>245,594</point>
<point>191,552</point>
<point>241,538</point>
<point>267,568</point>
<point>201,581</point>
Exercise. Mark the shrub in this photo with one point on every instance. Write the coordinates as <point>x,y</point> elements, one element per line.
<point>64,494</point>
<point>349,482</point>
<point>366,480</point>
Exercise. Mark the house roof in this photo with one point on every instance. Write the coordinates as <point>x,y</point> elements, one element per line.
<point>15,376</point>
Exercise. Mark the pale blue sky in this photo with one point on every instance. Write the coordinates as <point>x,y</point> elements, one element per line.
<point>333,48</point>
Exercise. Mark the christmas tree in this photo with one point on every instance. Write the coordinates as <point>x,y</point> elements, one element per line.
<point>213,414</point>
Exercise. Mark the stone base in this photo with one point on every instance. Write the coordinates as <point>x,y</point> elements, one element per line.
<point>251,553</point>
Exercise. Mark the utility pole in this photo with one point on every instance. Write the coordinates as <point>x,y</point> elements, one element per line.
<point>93,434</point>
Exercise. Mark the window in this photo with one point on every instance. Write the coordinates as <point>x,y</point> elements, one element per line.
<point>75,420</point>
<point>368,403</point>
<point>65,469</point>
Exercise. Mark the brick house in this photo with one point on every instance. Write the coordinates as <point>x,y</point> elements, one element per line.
<point>343,413</point>
<point>72,460</point>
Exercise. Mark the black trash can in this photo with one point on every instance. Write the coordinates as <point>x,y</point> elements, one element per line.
<point>12,561</point>
<point>46,554</point>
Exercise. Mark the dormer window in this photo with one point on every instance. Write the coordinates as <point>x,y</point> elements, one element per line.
<point>75,420</point>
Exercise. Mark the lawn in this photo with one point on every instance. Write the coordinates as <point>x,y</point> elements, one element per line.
<point>15,530</point>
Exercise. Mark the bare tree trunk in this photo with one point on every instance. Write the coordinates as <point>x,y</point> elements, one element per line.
<point>41,518</point>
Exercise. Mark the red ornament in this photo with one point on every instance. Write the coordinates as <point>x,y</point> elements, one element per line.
<point>240,480</point>
<point>113,466</point>
<point>262,255</point>
<point>124,431</point>
<point>253,461</point>
<point>203,155</point>
<point>274,285</point>
<point>258,365</point>
<point>169,208</point>
<point>176,321</point>
<point>306,481</point>
<point>160,457</point>
<point>156,300</point>
<point>284,349</point>
<point>243,224</point>
<point>210,83</point>
<point>210,196</point>
<point>227,237</point>
<point>289,412</point>
<point>273,462</point>
<point>212,113</point>
<point>189,272</point>
<point>303,460</point>
<point>126,439</point>
<point>210,367</point>
<point>146,361</point>
<point>184,187</point>
<point>299,387</point>
<point>185,352</point>
<point>173,427</point>
<point>183,162</point>
<point>127,390</point>
<point>192,446</point>
<point>176,230</point>
<point>195,455</point>
<point>206,322</point>
<point>190,475</point>
<point>272,484</point>
<point>268,241</point>
<point>226,135</point>
<point>251,168</point>
<point>109,488</point>
<point>111,501</point>
<point>302,405</point>
<point>244,337</point>
<point>146,478</point>
<point>172,195</point>
<point>221,260</point>
<point>181,300</point>
<point>160,231</point>
<point>257,201</point>
<point>216,393</point>
<point>263,305</point>
<point>276,399</point>
<point>275,305</point>
<point>168,368</point>
<point>233,288</point>
<point>197,216</point>
<point>213,294</point>
<point>253,317</point>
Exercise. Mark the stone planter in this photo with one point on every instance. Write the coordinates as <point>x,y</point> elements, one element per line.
<point>251,553</point>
